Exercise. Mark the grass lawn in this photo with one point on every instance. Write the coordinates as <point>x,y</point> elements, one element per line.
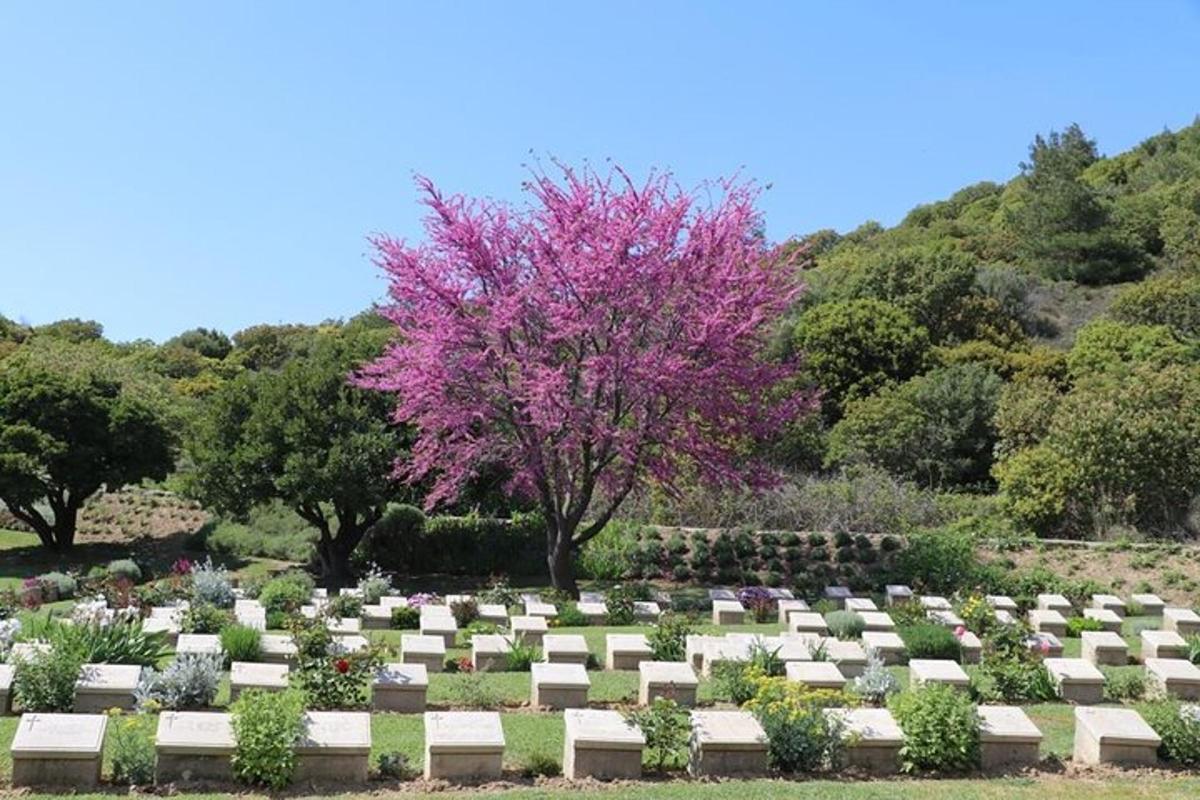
<point>1052,788</point>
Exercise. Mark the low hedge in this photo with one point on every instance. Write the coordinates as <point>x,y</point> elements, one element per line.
<point>407,541</point>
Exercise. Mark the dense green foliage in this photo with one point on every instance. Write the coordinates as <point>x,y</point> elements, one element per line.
<point>1028,349</point>
<point>304,436</point>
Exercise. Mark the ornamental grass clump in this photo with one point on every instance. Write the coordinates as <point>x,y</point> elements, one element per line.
<point>845,625</point>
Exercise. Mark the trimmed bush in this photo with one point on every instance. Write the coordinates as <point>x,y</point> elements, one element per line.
<point>125,568</point>
<point>407,541</point>
<point>941,729</point>
<point>406,618</point>
<point>62,584</point>
<point>927,640</point>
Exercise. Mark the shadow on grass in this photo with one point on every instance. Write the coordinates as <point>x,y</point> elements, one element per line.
<point>155,554</point>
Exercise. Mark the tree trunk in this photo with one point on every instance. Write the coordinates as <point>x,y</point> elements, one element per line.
<point>334,558</point>
<point>560,561</point>
<point>65,525</point>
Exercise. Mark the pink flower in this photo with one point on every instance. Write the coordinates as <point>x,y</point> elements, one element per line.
<point>959,631</point>
<point>1044,646</point>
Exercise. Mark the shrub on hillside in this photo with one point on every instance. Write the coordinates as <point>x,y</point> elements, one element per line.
<point>404,542</point>
<point>607,556</point>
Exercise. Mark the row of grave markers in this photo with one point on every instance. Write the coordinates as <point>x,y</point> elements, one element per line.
<point>67,749</point>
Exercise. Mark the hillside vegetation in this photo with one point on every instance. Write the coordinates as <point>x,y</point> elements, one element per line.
<point>1022,355</point>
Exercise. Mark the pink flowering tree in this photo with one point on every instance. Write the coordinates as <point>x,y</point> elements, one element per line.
<point>607,335</point>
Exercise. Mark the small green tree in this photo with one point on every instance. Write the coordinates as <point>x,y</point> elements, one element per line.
<point>307,437</point>
<point>64,436</point>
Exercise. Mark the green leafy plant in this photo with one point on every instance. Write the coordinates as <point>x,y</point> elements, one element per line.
<point>667,729</point>
<point>204,618</point>
<point>241,643</point>
<point>266,727</point>
<point>540,764</point>
<point>345,605</point>
<point>44,681</point>
<point>941,729</point>
<point>286,593</point>
<point>1124,685</point>
<point>330,677</point>
<point>668,637</point>
<point>1077,625</point>
<point>619,602</point>
<point>131,747</point>
<point>1009,670</point>
<point>801,736</point>
<point>569,616</point>
<point>395,765</point>
<point>1178,726</point>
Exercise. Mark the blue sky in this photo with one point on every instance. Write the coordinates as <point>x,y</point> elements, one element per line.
<point>168,165</point>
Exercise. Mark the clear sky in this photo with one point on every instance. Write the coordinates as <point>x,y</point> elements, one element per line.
<point>167,165</point>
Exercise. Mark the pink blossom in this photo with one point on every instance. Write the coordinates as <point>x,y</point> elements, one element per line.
<point>959,631</point>
<point>607,335</point>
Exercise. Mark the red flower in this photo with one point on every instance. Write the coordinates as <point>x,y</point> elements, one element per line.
<point>342,665</point>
